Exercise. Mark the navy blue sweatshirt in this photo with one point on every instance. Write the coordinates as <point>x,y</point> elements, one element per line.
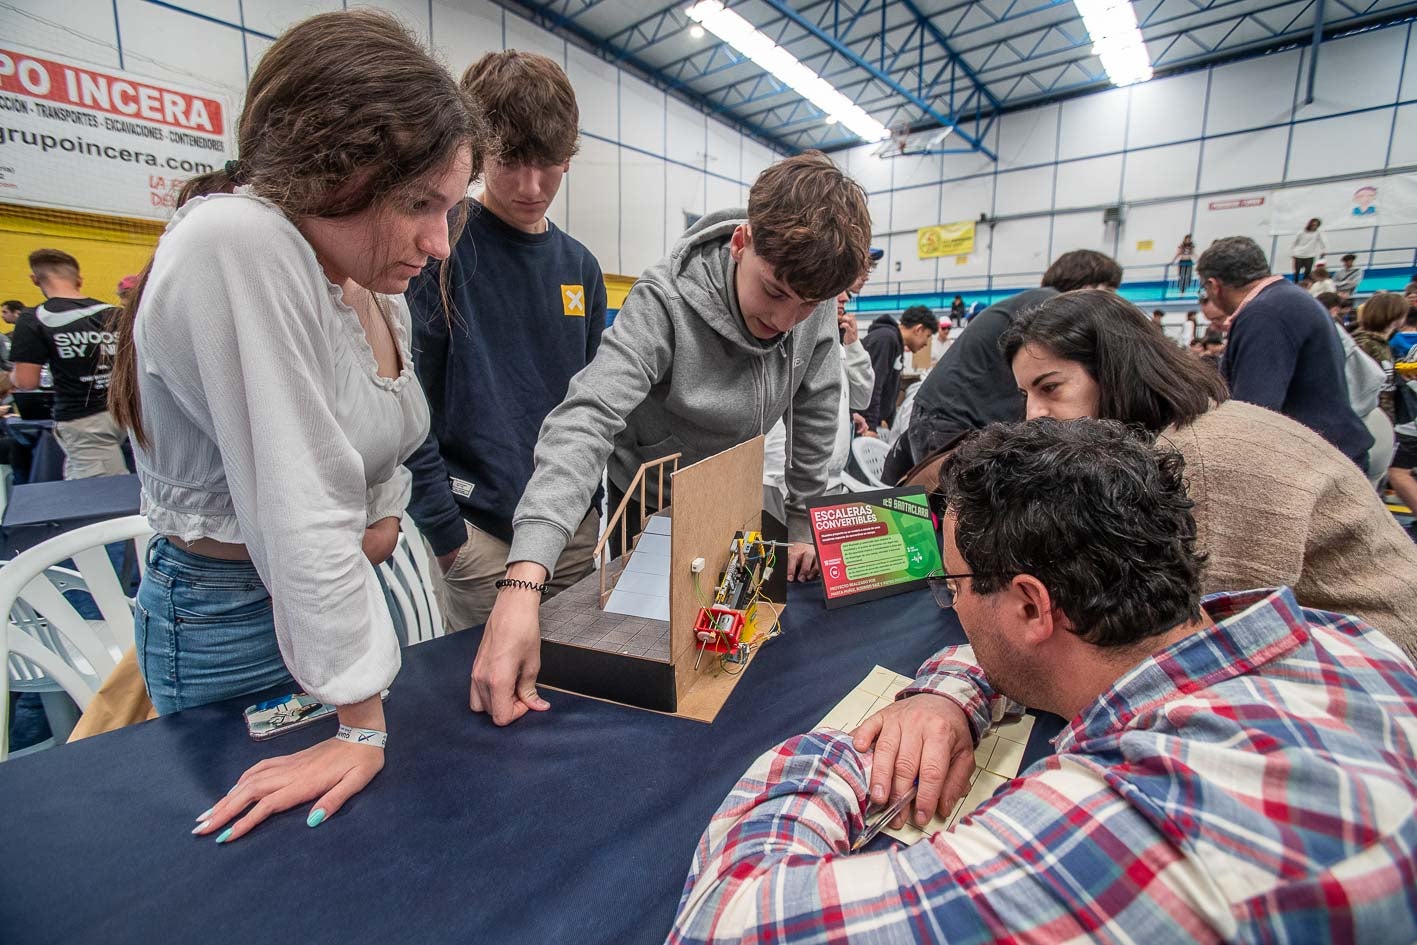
<point>527,314</point>
<point>887,350</point>
<point>1283,353</point>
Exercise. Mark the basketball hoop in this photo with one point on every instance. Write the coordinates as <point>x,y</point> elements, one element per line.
<point>900,136</point>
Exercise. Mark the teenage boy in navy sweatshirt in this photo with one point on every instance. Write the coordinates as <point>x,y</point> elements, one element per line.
<point>528,310</point>
<point>731,332</point>
<point>887,341</point>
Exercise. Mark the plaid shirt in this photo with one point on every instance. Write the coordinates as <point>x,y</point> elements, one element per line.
<point>1253,782</point>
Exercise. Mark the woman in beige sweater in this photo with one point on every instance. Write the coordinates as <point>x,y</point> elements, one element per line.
<point>1275,503</point>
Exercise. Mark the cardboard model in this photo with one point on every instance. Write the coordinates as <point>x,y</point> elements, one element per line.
<point>637,659</point>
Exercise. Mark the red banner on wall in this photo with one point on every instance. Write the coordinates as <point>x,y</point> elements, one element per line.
<point>68,84</point>
<point>1237,204</point>
<point>80,136</point>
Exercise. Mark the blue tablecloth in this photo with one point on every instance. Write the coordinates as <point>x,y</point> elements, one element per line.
<point>36,455</point>
<point>576,825</point>
<point>42,510</point>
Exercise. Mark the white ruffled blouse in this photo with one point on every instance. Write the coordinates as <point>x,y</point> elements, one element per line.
<point>270,426</point>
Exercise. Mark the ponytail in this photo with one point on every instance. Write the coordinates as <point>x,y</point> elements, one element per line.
<point>123,400</point>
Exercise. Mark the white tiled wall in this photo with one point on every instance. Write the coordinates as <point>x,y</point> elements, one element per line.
<point>646,159</point>
<point>1239,128</point>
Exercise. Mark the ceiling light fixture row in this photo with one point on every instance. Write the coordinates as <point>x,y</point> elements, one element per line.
<point>1116,40</point>
<point>785,67</point>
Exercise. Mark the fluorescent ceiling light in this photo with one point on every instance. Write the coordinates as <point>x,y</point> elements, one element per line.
<point>744,37</point>
<point>1112,26</point>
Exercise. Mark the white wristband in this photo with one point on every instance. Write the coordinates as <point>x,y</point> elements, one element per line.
<point>362,736</point>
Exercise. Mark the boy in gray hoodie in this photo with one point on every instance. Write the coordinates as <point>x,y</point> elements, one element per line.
<point>714,344</point>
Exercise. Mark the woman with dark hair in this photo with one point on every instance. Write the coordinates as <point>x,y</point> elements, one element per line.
<point>1275,504</point>
<point>1378,320</point>
<point>1308,246</point>
<point>264,371</point>
<point>1185,260</point>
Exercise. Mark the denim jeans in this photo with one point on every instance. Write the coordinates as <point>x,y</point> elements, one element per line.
<point>205,630</point>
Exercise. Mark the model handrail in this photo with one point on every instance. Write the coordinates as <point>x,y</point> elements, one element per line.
<point>601,549</point>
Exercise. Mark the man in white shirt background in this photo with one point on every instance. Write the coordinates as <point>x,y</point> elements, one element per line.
<point>1346,279</point>
<point>940,343</point>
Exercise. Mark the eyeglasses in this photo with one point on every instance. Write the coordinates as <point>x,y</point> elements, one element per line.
<point>945,587</point>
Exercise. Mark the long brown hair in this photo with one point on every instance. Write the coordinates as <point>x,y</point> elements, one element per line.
<point>346,110</point>
<point>1142,376</point>
<point>1382,311</point>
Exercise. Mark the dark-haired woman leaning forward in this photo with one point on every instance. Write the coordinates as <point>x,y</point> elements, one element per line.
<point>1275,502</point>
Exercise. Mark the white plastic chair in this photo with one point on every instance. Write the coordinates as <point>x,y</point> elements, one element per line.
<point>45,644</point>
<point>408,576</point>
<point>870,454</point>
<point>901,423</point>
<point>853,484</point>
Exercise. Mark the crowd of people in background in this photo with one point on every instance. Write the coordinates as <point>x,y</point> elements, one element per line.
<point>1131,515</point>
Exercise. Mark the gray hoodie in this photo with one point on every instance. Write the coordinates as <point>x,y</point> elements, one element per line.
<point>678,371</point>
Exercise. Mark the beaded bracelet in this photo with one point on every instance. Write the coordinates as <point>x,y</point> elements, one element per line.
<point>518,582</point>
<point>362,736</point>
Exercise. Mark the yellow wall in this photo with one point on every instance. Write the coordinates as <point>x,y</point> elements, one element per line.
<point>616,288</point>
<point>107,248</point>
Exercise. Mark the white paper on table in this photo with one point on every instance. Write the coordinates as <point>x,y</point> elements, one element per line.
<point>997,757</point>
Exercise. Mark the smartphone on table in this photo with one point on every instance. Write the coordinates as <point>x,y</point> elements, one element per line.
<point>283,714</point>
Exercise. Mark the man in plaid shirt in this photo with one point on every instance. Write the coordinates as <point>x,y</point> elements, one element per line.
<point>1242,771</point>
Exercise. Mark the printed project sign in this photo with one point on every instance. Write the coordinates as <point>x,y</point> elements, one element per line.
<point>873,544</point>
<point>98,140</point>
<point>947,239</point>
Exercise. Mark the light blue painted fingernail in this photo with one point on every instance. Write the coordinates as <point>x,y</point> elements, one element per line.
<point>206,814</point>
<point>316,818</point>
<point>224,836</point>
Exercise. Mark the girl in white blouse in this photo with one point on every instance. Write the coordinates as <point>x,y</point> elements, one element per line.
<point>265,374</point>
<point>1308,246</point>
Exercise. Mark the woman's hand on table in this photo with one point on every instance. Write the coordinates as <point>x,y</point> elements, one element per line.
<point>380,539</point>
<point>329,773</point>
<point>509,656</point>
<point>923,737</point>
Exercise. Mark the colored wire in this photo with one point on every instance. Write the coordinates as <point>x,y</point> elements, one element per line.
<point>699,592</point>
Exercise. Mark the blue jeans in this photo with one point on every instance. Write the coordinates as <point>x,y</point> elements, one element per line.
<point>205,630</point>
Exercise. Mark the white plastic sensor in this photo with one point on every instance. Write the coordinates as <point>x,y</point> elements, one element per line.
<point>697,565</point>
